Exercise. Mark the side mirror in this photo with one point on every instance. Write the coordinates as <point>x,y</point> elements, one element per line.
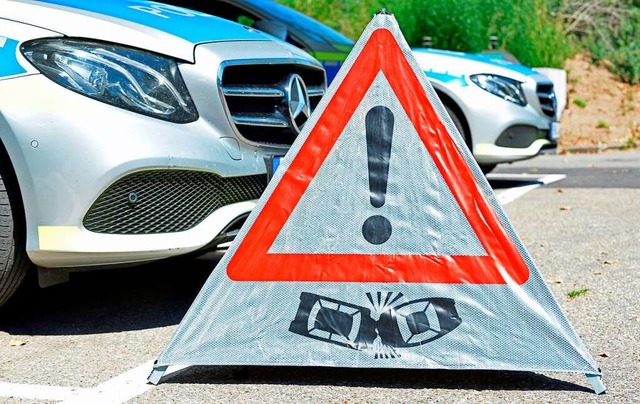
<point>275,28</point>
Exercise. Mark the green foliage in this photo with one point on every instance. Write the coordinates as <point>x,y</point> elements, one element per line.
<point>634,137</point>
<point>580,102</point>
<point>622,50</point>
<point>536,32</point>
<point>524,27</point>
<point>530,32</point>
<point>346,16</point>
<point>463,25</point>
<point>608,29</point>
<point>602,124</point>
<point>629,144</point>
<point>576,293</point>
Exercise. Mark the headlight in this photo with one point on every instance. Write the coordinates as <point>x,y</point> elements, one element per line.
<point>127,78</point>
<point>503,87</point>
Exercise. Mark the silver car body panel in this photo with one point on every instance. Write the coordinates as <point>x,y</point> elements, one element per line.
<point>67,149</point>
<point>161,28</point>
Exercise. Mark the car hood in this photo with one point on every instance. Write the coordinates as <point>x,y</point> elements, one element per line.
<point>459,64</point>
<point>150,25</point>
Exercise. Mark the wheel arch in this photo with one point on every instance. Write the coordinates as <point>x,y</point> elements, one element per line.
<point>12,185</point>
<point>15,263</point>
<point>449,102</point>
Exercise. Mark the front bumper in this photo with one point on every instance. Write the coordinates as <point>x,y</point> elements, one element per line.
<point>492,120</point>
<point>75,246</point>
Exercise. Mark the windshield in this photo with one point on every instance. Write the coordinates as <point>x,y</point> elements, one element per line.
<point>301,22</point>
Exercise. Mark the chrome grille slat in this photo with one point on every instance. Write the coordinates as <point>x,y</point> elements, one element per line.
<point>547,99</point>
<point>255,95</point>
<point>315,91</point>
<point>274,120</point>
<point>252,91</point>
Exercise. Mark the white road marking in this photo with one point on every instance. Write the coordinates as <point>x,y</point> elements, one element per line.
<point>118,390</point>
<point>38,392</point>
<point>511,194</point>
<point>133,383</point>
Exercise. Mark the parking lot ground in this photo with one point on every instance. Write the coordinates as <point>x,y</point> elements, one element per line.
<point>510,186</point>
<point>76,342</point>
<point>616,169</point>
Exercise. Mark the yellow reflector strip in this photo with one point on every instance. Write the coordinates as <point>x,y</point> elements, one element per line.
<point>58,238</point>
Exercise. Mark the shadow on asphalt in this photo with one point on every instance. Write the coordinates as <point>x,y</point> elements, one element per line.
<point>386,378</point>
<point>123,299</point>
<point>588,177</point>
<point>159,294</point>
<point>114,300</point>
<point>497,184</point>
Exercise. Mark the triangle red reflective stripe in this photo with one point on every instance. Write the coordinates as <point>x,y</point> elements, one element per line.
<point>503,263</point>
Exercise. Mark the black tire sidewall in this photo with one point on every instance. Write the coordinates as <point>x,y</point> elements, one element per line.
<point>13,260</point>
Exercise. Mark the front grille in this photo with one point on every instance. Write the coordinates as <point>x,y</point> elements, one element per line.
<point>166,201</point>
<point>547,98</point>
<point>520,136</point>
<point>255,95</point>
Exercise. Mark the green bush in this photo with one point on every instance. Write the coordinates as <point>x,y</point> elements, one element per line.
<point>463,25</point>
<point>537,32</point>
<point>525,28</point>
<point>346,16</point>
<point>619,48</point>
<point>580,102</point>
<point>608,29</point>
<point>530,32</point>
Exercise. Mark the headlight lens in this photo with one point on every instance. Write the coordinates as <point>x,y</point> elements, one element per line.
<point>503,87</point>
<point>127,78</point>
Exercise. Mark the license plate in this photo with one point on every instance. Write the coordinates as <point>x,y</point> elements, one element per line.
<point>275,163</point>
<point>272,163</point>
<point>554,130</point>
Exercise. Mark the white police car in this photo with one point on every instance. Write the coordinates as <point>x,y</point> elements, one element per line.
<point>133,131</point>
<point>505,111</point>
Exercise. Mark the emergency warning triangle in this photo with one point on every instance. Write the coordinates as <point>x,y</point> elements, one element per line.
<point>475,248</point>
<point>378,243</point>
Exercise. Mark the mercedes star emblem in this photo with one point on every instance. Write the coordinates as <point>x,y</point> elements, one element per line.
<point>298,101</point>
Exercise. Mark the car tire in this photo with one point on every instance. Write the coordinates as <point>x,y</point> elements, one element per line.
<point>486,168</point>
<point>13,260</point>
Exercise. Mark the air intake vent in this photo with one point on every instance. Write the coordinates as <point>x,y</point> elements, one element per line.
<point>257,97</point>
<point>547,98</point>
<point>166,201</point>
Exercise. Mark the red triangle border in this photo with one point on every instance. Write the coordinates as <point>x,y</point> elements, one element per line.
<point>503,263</point>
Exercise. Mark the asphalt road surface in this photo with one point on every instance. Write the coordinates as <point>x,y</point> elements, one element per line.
<point>94,339</point>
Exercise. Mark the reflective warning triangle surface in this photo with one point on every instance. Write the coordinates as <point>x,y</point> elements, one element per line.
<point>378,243</point>
<point>326,245</point>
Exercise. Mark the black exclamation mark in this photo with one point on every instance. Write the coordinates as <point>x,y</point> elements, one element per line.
<point>379,128</point>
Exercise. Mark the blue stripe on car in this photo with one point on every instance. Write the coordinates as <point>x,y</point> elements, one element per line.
<point>447,78</point>
<point>9,65</point>
<point>522,69</point>
<point>190,25</point>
